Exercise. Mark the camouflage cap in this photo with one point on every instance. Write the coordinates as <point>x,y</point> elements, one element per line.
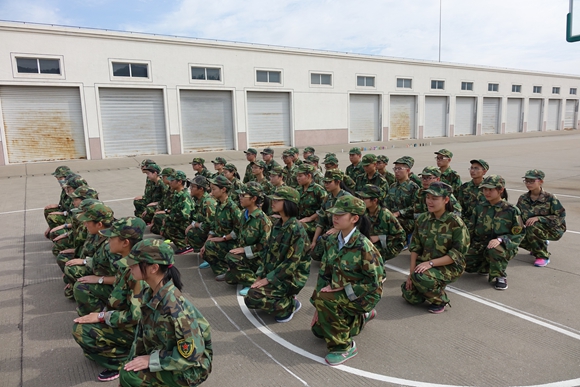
<point>200,181</point>
<point>287,152</point>
<point>197,160</point>
<point>445,152</point>
<point>63,170</point>
<point>75,181</point>
<point>251,151</point>
<point>355,151</point>
<point>267,151</point>
<point>177,175</point>
<point>383,159</point>
<point>84,192</point>
<point>153,168</point>
<point>146,163</point>
<point>260,163</point>
<point>151,251</point>
<point>312,159</point>
<point>407,160</point>
<point>534,174</point>
<point>431,171</point>
<point>331,159</point>
<point>294,150</point>
<point>332,175</point>
<point>305,168</point>
<point>369,191</point>
<point>439,188</point>
<point>277,171</point>
<point>348,204</point>
<point>230,167</point>
<point>86,203</point>
<point>481,162</point>
<point>219,160</point>
<point>493,181</point>
<point>368,159</point>
<point>126,228</point>
<point>221,181</point>
<point>96,212</point>
<point>252,188</point>
<point>309,149</point>
<point>167,171</point>
<point>286,193</point>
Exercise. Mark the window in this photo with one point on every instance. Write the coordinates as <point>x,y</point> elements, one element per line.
<point>404,83</point>
<point>555,90</point>
<point>38,66</point>
<point>132,70</point>
<point>439,85</point>
<point>206,73</point>
<point>320,79</point>
<point>573,91</point>
<point>492,87</point>
<point>467,86</point>
<point>516,88</point>
<point>268,76</point>
<point>365,81</point>
<point>538,89</point>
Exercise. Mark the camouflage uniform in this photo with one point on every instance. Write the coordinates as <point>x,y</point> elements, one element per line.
<point>271,165</point>
<point>202,216</point>
<point>178,213</point>
<point>331,163</point>
<point>377,179</point>
<point>449,176</point>
<point>60,174</point>
<point>488,222</point>
<point>156,193</point>
<point>401,198</point>
<point>420,205</point>
<point>290,173</point>
<point>311,199</point>
<point>469,196</point>
<point>285,264</point>
<point>354,265</point>
<point>162,205</point>
<point>248,175</point>
<point>171,331</point>
<point>390,176</point>
<point>434,238</point>
<point>58,218</point>
<point>140,204</point>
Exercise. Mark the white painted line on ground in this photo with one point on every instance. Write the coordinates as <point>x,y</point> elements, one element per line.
<point>37,209</point>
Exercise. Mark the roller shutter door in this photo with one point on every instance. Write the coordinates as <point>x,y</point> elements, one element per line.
<point>465,116</point>
<point>435,117</point>
<point>268,119</point>
<point>133,122</point>
<point>514,115</point>
<point>570,114</point>
<point>42,123</point>
<point>364,118</point>
<point>535,115</point>
<point>207,122</point>
<point>402,119</point>
<point>490,123</point>
<point>553,122</point>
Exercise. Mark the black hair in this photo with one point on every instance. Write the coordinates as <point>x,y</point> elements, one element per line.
<point>504,194</point>
<point>237,175</point>
<point>291,209</point>
<point>345,188</point>
<point>265,204</point>
<point>132,241</point>
<point>364,225</point>
<point>449,206</point>
<point>170,273</point>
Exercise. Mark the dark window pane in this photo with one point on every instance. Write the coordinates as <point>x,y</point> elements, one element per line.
<point>121,70</point>
<point>49,66</point>
<point>213,74</point>
<point>139,70</point>
<point>315,79</point>
<point>274,77</point>
<point>197,73</point>
<point>325,79</point>
<point>262,76</point>
<point>360,81</point>
<point>27,65</point>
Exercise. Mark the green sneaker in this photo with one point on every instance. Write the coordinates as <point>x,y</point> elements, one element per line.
<point>337,358</point>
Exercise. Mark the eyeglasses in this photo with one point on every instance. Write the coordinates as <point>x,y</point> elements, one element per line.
<point>529,181</point>
<point>399,169</point>
<point>245,196</point>
<point>474,169</point>
<point>429,177</point>
<point>441,158</point>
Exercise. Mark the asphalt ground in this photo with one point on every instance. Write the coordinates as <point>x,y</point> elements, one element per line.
<point>527,335</point>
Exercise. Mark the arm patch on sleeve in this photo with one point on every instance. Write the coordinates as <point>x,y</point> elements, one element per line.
<point>184,348</point>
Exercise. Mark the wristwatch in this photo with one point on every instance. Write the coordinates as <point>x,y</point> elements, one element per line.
<point>101,280</point>
<point>431,263</point>
<point>101,317</point>
<point>499,240</point>
<point>224,237</point>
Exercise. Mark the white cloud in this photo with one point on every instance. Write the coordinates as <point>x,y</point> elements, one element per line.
<point>47,12</point>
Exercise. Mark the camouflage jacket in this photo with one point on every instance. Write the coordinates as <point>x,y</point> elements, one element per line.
<point>266,186</point>
<point>248,175</point>
<point>165,201</point>
<point>390,176</point>
<point>311,199</point>
<point>65,202</point>
<point>174,333</point>
<point>269,167</point>
<point>354,172</point>
<point>103,262</point>
<point>205,172</point>
<point>285,262</point>
<point>501,220</point>
<point>149,186</point>
<point>156,193</point>
<point>290,176</point>
<point>204,211</point>
<point>358,267</point>
<point>236,185</point>
<point>226,220</point>
<point>318,177</point>
<point>547,208</point>
<point>391,234</point>
<point>401,197</point>
<point>435,238</point>
<point>90,246</point>
<point>348,182</point>
<point>255,229</point>
<point>452,178</point>
<point>180,209</point>
<point>123,309</point>
<point>469,196</point>
<point>420,205</point>
<point>377,179</point>
<point>324,220</point>
<point>79,234</point>
<point>415,179</point>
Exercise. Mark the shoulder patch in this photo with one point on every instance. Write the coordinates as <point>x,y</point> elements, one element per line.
<point>516,230</point>
<point>184,348</point>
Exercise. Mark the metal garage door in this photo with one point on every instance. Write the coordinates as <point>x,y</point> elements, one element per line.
<point>402,121</point>
<point>553,121</point>
<point>206,120</point>
<point>133,122</point>
<point>435,117</point>
<point>571,114</point>
<point>268,119</point>
<point>465,116</point>
<point>42,123</point>
<point>535,115</point>
<point>364,118</point>
<point>490,122</point>
<point>514,115</point>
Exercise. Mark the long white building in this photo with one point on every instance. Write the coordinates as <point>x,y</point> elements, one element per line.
<point>69,93</point>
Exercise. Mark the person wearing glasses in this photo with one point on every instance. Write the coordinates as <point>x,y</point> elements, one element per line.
<point>438,247</point>
<point>448,175</point>
<point>496,230</point>
<point>470,194</point>
<point>431,175</point>
<point>289,169</point>
<point>543,215</point>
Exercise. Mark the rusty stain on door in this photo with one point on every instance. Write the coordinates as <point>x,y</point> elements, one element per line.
<point>401,125</point>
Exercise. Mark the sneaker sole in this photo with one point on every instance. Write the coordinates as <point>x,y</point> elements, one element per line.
<point>287,319</point>
<point>342,361</point>
<point>497,288</point>
<point>437,311</point>
<point>108,379</point>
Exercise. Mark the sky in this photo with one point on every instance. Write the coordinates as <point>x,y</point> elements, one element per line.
<point>517,34</point>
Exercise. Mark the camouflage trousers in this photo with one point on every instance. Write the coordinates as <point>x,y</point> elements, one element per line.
<point>149,212</point>
<point>63,258</point>
<point>388,252</point>
<point>193,377</point>
<point>215,255</point>
<point>139,205</point>
<point>242,270</point>
<point>175,232</point>
<point>196,237</point>
<point>71,274</point>
<point>428,286</point>
<point>535,239</point>
<point>319,249</point>
<point>480,259</point>
<point>107,346</point>
<point>91,297</point>
<point>276,300</point>
<point>49,211</point>
<point>62,244</point>
<point>310,229</point>
<point>339,319</point>
<point>157,223</point>
<point>407,224</point>
<point>55,219</point>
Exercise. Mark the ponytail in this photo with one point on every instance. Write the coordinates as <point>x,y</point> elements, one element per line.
<point>170,273</point>
<point>364,225</point>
